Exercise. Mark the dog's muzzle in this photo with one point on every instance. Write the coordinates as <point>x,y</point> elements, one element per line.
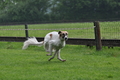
<point>66,38</point>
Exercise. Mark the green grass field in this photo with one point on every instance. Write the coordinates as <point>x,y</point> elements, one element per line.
<point>82,62</point>
<point>109,30</point>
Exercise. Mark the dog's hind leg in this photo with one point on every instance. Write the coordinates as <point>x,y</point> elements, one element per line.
<point>50,49</point>
<point>50,52</point>
<point>46,46</point>
<point>58,56</point>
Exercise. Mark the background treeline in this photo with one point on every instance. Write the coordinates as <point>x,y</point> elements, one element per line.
<point>58,10</point>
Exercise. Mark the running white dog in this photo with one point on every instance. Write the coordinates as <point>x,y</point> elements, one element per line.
<point>53,42</point>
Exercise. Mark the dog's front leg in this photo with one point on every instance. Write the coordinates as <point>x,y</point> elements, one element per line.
<point>53,55</point>
<point>58,56</point>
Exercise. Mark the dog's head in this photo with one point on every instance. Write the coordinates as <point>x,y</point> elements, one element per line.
<point>63,35</point>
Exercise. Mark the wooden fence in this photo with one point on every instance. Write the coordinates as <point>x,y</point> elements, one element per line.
<point>98,42</point>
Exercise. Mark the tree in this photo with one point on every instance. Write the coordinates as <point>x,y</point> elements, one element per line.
<point>25,10</point>
<point>87,9</point>
<point>72,9</point>
<point>48,10</point>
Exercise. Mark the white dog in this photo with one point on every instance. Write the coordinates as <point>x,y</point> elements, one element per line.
<point>53,42</point>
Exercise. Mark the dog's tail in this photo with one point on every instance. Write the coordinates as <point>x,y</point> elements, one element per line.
<point>32,41</point>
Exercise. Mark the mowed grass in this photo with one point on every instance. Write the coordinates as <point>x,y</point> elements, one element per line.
<point>76,33</point>
<point>109,30</point>
<point>82,63</point>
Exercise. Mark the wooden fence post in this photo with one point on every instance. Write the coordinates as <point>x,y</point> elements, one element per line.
<point>97,36</point>
<point>26,31</point>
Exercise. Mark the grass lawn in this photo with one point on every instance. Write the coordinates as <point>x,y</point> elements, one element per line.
<point>109,30</point>
<point>82,63</point>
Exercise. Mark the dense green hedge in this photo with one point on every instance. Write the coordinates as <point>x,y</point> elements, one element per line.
<point>49,10</point>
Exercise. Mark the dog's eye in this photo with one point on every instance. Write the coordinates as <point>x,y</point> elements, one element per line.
<point>63,34</point>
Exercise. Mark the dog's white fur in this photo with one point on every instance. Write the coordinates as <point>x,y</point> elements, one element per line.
<point>53,42</point>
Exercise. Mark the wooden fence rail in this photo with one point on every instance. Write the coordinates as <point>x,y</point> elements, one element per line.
<point>98,42</point>
<point>74,41</point>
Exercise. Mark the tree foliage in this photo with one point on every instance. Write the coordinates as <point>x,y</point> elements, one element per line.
<point>24,10</point>
<point>88,9</point>
<point>47,10</point>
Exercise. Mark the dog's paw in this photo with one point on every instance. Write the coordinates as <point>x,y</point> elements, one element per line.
<point>48,54</point>
<point>50,58</point>
<point>63,60</point>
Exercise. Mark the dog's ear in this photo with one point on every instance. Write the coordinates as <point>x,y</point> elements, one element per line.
<point>59,32</point>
